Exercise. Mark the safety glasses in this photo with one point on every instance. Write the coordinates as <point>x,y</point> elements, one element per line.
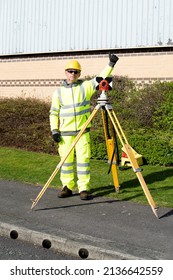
<point>73,71</point>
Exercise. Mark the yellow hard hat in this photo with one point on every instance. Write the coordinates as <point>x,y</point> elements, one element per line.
<point>73,64</point>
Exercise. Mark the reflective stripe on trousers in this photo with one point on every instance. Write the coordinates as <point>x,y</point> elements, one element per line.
<point>82,151</point>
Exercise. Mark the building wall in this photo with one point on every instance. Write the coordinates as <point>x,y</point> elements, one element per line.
<point>38,76</point>
<point>39,26</point>
<point>37,37</point>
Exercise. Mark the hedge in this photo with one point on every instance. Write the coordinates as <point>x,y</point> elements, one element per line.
<point>145,115</point>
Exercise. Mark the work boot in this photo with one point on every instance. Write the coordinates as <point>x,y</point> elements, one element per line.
<point>84,195</point>
<point>65,192</point>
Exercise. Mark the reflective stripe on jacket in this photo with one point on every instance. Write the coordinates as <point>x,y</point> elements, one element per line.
<point>70,107</point>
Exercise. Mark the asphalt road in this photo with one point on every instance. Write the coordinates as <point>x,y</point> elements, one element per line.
<point>15,249</point>
<point>105,228</point>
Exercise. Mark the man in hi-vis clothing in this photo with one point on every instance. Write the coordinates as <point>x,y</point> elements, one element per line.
<point>69,111</point>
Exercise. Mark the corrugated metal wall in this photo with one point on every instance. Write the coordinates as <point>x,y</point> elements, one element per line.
<point>34,26</point>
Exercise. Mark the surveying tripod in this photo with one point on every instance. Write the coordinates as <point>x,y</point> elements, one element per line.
<point>110,137</point>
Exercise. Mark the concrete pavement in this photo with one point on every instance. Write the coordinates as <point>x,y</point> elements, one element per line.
<point>103,228</point>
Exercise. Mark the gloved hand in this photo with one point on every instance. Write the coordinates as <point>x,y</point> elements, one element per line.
<point>112,59</point>
<point>56,136</point>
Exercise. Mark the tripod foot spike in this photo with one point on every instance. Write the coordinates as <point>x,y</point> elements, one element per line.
<point>155,211</point>
<point>33,204</point>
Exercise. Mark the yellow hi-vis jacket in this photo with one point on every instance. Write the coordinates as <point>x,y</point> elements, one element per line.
<point>70,107</point>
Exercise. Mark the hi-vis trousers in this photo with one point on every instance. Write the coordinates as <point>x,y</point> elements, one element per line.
<point>83,152</point>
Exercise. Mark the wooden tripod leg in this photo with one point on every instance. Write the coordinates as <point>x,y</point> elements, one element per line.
<point>137,170</point>
<point>132,159</point>
<point>65,157</point>
<point>113,162</point>
<point>110,150</point>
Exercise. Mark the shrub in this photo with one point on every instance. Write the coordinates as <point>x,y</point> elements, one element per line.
<point>24,123</point>
<point>98,147</point>
<point>146,117</point>
<point>156,147</point>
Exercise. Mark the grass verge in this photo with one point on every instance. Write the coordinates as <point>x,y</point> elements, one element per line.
<point>36,168</point>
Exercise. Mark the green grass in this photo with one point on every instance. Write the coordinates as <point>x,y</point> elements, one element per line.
<point>36,168</point>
